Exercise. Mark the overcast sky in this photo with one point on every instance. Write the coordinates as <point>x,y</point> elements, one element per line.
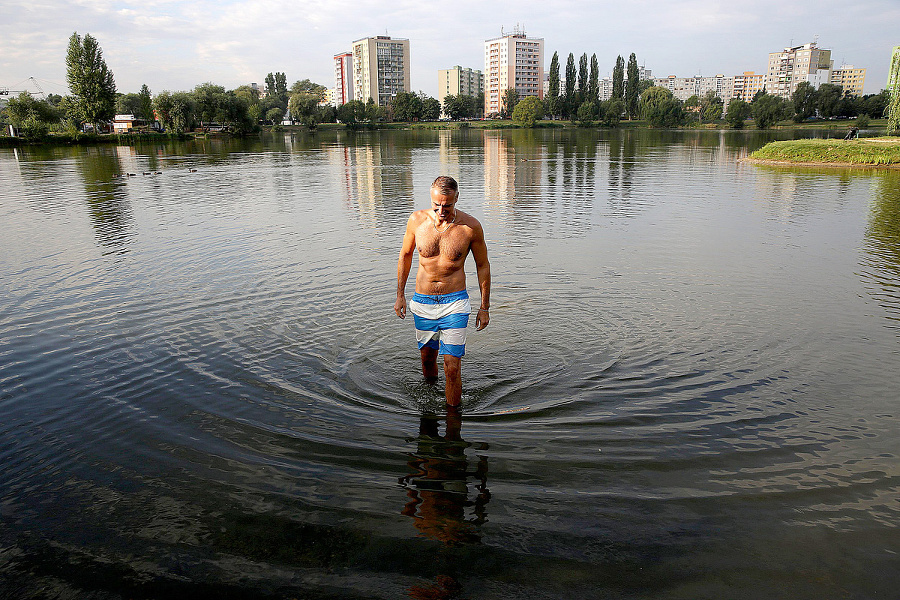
<point>176,44</point>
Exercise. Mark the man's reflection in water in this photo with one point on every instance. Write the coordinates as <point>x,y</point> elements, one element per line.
<point>438,487</point>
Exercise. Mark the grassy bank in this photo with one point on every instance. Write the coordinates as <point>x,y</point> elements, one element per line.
<point>883,151</point>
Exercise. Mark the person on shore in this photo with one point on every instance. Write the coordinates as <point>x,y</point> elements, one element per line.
<point>443,236</point>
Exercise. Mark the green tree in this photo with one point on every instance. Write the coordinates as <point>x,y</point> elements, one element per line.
<point>508,102</point>
<point>553,91</point>
<point>829,99</point>
<point>528,111</point>
<point>660,108</point>
<point>406,107</point>
<point>128,104</point>
<point>352,113</point>
<point>738,111</point>
<point>583,82</point>
<point>632,88</point>
<point>306,86</point>
<point>618,80</point>
<point>176,112</point>
<point>90,80</point>
<point>270,85</point>
<point>710,107</point>
<point>431,109</point>
<point>586,114</point>
<point>33,117</point>
<point>304,107</point>
<point>768,110</point>
<point>570,100</point>
<point>275,116</point>
<point>210,103</point>
<point>146,110</point>
<point>804,100</point>
<point>610,112</point>
<point>593,92</point>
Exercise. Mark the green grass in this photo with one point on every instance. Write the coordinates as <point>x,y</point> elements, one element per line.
<point>867,151</point>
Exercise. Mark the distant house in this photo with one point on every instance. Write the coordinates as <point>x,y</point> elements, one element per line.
<point>127,123</point>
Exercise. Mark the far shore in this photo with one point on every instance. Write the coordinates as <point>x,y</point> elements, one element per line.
<point>836,127</point>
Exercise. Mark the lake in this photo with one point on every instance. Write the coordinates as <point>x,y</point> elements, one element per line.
<point>688,388</point>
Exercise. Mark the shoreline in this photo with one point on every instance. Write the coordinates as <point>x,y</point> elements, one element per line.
<point>876,153</point>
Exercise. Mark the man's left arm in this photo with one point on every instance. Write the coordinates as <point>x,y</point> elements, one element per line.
<point>483,269</point>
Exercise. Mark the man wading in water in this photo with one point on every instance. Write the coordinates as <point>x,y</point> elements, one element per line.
<point>443,236</point>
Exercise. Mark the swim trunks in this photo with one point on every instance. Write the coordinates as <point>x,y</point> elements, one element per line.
<point>441,321</point>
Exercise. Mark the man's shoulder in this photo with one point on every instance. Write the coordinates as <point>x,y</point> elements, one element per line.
<point>464,218</point>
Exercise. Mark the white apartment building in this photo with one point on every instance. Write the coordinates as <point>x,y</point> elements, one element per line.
<point>380,69</point>
<point>788,68</point>
<point>343,78</point>
<point>512,61</point>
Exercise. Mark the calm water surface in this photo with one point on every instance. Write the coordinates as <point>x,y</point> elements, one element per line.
<point>688,388</point>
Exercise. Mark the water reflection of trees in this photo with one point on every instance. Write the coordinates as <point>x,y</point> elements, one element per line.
<point>101,169</point>
<point>881,263</point>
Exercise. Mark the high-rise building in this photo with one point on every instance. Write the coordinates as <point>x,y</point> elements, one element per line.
<point>380,69</point>
<point>512,61</point>
<point>849,78</point>
<point>788,68</point>
<point>745,86</point>
<point>343,78</point>
<point>456,81</point>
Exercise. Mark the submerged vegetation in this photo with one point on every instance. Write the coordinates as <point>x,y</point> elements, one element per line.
<point>884,151</point>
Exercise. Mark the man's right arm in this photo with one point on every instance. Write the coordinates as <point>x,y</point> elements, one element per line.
<point>404,265</point>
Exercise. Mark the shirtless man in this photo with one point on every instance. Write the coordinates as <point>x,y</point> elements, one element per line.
<point>443,236</point>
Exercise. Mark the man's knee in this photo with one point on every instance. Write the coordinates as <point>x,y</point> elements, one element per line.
<point>452,365</point>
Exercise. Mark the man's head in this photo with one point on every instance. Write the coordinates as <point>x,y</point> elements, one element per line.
<point>444,194</point>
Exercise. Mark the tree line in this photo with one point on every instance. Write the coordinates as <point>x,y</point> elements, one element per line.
<point>577,98</point>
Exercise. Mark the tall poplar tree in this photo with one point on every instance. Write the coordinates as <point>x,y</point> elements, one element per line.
<point>90,80</point>
<point>618,79</point>
<point>569,105</point>
<point>553,92</point>
<point>593,94</point>
<point>146,103</point>
<point>632,88</point>
<point>582,78</point>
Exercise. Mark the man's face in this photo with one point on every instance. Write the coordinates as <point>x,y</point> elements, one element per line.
<point>444,206</point>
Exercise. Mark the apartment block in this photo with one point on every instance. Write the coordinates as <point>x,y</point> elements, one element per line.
<point>849,78</point>
<point>685,87</point>
<point>343,78</point>
<point>788,68</point>
<point>512,61</point>
<point>380,68</point>
<point>745,86</point>
<point>457,80</point>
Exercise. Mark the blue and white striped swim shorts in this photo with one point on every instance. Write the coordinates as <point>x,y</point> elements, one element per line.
<point>441,321</point>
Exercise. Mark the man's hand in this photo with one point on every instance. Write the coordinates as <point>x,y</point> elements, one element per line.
<point>400,307</point>
<point>482,319</point>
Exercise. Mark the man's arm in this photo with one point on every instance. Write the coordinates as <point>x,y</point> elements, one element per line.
<point>483,269</point>
<point>404,265</point>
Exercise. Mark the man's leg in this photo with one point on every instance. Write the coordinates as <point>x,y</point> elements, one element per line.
<point>453,379</point>
<point>429,364</point>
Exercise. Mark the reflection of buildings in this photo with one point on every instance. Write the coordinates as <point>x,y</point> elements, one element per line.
<point>509,175</point>
<point>372,187</point>
<point>438,485</point>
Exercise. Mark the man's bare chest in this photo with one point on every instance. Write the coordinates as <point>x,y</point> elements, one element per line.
<point>452,244</point>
